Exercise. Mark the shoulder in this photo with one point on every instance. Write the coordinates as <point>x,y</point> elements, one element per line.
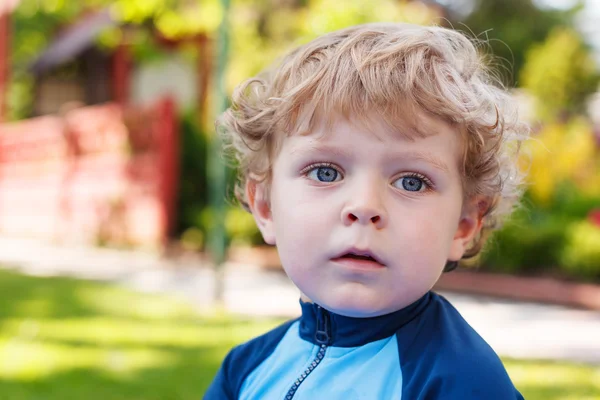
<point>442,356</point>
<point>242,360</point>
<point>257,349</point>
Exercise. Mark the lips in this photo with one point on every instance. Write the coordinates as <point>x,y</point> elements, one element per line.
<point>359,257</point>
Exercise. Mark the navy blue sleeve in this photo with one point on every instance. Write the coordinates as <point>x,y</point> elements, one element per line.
<point>241,361</point>
<point>487,381</point>
<point>220,388</point>
<point>442,357</point>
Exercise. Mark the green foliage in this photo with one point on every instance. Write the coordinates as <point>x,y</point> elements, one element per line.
<point>193,196</point>
<point>203,16</point>
<point>565,166</point>
<point>241,227</point>
<point>19,96</point>
<point>560,73</point>
<point>34,24</point>
<point>324,16</point>
<point>558,241</point>
<point>511,27</point>
<point>259,37</point>
<point>550,235</point>
<point>192,239</point>
<point>195,216</point>
<point>572,203</point>
<point>581,253</point>
<point>531,242</point>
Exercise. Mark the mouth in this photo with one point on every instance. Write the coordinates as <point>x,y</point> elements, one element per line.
<point>359,258</point>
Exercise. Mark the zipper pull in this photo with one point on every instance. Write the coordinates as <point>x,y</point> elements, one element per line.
<point>322,334</point>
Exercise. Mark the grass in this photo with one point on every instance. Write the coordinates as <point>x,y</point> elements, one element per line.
<point>70,339</point>
<point>554,380</point>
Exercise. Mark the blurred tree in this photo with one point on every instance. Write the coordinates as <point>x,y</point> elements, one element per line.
<point>564,162</point>
<point>560,73</point>
<point>36,23</point>
<point>263,30</point>
<point>511,26</point>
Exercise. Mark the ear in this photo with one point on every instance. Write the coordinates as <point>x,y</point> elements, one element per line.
<point>258,202</point>
<point>469,226</point>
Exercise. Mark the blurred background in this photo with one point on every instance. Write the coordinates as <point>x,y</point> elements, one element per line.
<point>126,269</point>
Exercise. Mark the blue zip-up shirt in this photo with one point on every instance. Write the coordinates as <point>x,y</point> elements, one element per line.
<point>425,351</point>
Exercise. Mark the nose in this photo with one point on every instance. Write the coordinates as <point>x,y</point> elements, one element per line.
<point>365,209</point>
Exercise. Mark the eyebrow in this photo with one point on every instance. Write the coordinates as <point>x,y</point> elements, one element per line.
<point>425,157</point>
<point>320,148</point>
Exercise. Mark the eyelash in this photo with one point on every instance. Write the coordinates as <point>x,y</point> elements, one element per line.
<point>310,167</point>
<point>428,183</point>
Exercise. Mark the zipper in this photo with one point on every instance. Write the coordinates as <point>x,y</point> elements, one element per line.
<point>322,337</point>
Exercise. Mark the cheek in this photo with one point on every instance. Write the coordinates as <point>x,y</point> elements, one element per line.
<point>301,220</point>
<point>295,202</point>
<point>430,227</point>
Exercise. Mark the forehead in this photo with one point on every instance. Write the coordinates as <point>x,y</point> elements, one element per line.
<point>418,128</point>
<point>404,120</point>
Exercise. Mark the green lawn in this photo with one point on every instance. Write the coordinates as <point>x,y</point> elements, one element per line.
<point>70,339</point>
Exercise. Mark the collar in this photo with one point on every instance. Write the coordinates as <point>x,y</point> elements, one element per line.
<point>319,326</point>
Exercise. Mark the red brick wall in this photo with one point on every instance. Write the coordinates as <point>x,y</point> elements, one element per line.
<point>99,174</point>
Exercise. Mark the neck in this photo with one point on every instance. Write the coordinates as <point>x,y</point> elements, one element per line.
<point>304,298</point>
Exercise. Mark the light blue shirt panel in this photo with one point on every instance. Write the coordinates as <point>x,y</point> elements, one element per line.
<point>367,372</point>
<point>276,374</point>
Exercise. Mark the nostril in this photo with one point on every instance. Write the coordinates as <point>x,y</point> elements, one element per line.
<point>375,219</point>
<point>352,217</point>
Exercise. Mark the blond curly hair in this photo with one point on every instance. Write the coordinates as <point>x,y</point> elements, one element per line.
<point>395,71</point>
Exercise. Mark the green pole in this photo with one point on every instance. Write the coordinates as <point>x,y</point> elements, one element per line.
<point>217,183</point>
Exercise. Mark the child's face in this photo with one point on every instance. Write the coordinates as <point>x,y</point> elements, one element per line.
<point>350,191</point>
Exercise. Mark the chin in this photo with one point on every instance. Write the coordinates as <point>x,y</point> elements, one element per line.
<point>355,307</point>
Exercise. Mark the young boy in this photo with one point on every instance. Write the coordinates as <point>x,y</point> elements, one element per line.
<point>374,158</point>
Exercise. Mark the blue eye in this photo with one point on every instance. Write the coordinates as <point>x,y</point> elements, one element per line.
<point>324,174</point>
<point>411,183</point>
